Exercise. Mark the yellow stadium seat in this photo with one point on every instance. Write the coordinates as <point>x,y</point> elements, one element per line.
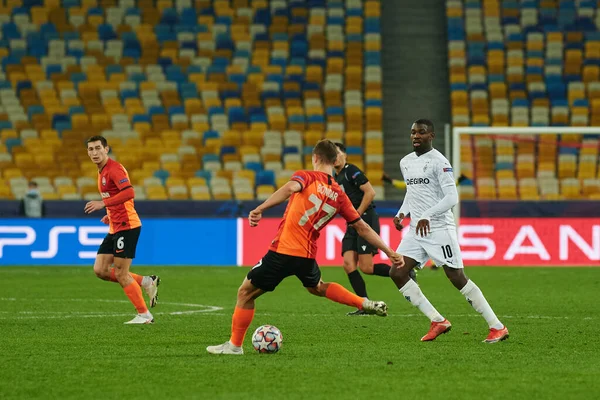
<point>312,137</point>
<point>264,191</point>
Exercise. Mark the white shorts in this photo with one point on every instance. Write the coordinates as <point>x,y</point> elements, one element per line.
<point>441,246</point>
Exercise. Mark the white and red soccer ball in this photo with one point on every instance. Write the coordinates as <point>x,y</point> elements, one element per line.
<point>267,339</point>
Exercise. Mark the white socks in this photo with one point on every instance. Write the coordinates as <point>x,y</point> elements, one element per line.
<point>475,298</point>
<point>412,292</point>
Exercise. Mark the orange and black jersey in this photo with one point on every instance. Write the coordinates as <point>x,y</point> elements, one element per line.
<point>112,179</point>
<point>308,211</point>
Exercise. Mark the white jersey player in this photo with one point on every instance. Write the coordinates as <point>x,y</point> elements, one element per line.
<point>430,195</point>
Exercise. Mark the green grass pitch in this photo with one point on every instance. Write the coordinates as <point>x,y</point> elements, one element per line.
<point>62,336</point>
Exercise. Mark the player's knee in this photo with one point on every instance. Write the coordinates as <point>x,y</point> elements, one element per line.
<point>245,294</point>
<point>349,266</point>
<point>319,290</point>
<point>456,276</point>
<point>397,273</point>
<point>102,271</point>
<point>366,268</point>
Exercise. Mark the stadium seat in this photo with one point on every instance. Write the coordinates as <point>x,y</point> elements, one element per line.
<point>172,102</point>
<point>526,64</point>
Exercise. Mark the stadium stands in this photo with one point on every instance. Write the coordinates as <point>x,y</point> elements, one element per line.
<point>199,99</point>
<point>526,63</point>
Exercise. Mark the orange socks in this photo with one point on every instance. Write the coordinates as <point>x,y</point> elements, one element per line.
<point>340,294</point>
<point>240,322</point>
<point>134,292</point>
<point>136,277</point>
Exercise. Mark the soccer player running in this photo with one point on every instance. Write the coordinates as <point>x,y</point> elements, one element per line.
<point>315,198</point>
<point>119,245</point>
<point>357,251</point>
<point>430,195</point>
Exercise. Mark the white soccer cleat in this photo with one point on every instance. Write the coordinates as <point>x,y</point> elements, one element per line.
<point>141,319</point>
<point>225,348</point>
<point>152,290</point>
<point>375,307</point>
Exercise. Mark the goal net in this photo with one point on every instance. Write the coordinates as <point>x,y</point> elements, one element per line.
<point>518,164</point>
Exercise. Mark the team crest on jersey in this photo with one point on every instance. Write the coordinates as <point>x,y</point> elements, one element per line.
<point>425,167</point>
<point>103,181</point>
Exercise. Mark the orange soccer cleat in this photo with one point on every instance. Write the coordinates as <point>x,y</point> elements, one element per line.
<point>496,335</point>
<point>437,329</point>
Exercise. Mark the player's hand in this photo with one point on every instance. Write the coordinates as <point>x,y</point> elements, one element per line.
<point>254,216</point>
<point>398,222</point>
<point>92,206</point>
<point>423,227</point>
<point>397,259</point>
<point>105,220</point>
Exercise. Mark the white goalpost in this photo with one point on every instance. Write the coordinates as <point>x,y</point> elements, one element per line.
<point>506,131</point>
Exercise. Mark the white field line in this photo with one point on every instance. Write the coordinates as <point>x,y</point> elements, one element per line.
<point>197,308</point>
<point>211,310</point>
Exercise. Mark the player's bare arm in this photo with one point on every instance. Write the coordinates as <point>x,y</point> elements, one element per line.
<point>365,231</point>
<point>281,195</point>
<point>94,205</point>
<point>369,195</point>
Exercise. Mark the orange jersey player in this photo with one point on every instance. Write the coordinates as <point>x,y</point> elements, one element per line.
<point>314,199</point>
<point>308,211</point>
<point>118,247</point>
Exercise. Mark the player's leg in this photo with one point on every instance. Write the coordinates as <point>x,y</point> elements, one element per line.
<point>263,277</point>
<point>125,244</point>
<point>149,283</point>
<point>366,250</point>
<point>310,275</point>
<point>351,268</point>
<point>350,254</point>
<point>356,280</point>
<point>414,256</point>
<point>102,267</point>
<point>451,260</point>
<point>367,266</point>
<point>132,290</point>
<point>242,317</point>
<point>104,260</point>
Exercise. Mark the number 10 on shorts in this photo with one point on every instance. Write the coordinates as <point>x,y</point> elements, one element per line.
<point>447,250</point>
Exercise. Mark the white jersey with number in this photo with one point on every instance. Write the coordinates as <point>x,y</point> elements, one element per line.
<point>425,176</point>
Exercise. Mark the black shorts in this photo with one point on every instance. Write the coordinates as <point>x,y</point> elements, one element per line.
<point>121,244</point>
<point>275,267</point>
<point>353,242</point>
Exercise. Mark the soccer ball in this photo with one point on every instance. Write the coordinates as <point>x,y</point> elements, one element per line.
<point>267,339</point>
